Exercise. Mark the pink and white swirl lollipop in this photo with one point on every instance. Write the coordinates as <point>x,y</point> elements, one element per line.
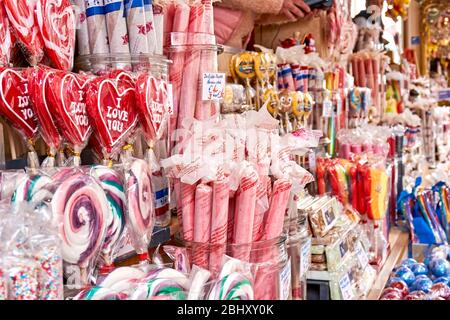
<point>82,207</point>
<point>100,293</point>
<point>234,286</point>
<point>141,206</point>
<point>112,184</point>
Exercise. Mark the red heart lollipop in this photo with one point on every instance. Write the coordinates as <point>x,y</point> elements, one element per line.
<point>21,17</point>
<point>152,106</point>
<point>5,37</point>
<point>112,110</point>
<point>39,84</point>
<point>15,101</point>
<point>69,100</point>
<point>56,20</point>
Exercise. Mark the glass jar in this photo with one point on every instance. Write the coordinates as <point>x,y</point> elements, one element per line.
<point>299,251</point>
<point>268,261</point>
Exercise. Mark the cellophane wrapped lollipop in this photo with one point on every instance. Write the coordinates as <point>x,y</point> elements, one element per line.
<point>140,204</point>
<point>112,183</point>
<point>111,106</point>
<point>16,108</point>
<point>25,28</point>
<point>68,98</point>
<point>28,188</point>
<point>39,80</point>
<point>154,117</point>
<point>81,209</point>
<point>5,37</point>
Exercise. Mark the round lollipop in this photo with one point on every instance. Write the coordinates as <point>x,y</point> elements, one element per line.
<point>234,286</point>
<point>82,208</point>
<point>141,207</point>
<point>159,288</point>
<point>122,279</point>
<point>111,183</point>
<point>99,293</point>
<point>28,187</point>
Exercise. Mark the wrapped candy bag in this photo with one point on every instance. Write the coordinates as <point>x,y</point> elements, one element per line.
<point>26,30</point>
<point>16,107</point>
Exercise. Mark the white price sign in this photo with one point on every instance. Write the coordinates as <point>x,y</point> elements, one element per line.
<point>213,86</point>
<point>361,255</point>
<point>285,281</point>
<point>305,257</point>
<point>346,287</point>
<point>327,109</point>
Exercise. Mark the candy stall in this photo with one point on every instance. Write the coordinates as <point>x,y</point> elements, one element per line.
<point>149,152</point>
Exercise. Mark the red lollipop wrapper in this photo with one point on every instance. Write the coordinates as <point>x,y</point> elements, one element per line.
<point>22,19</point>
<point>153,97</point>
<point>111,106</point>
<point>57,24</point>
<point>39,84</point>
<point>5,37</point>
<point>15,106</point>
<point>68,98</point>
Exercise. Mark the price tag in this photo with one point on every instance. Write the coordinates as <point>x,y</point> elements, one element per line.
<point>170,98</point>
<point>361,255</point>
<point>285,281</point>
<point>305,256</point>
<point>213,86</point>
<point>327,111</point>
<point>346,287</point>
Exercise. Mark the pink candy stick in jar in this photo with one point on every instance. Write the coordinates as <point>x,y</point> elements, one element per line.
<point>202,225</point>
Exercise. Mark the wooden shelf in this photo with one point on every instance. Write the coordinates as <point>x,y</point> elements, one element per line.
<point>399,251</point>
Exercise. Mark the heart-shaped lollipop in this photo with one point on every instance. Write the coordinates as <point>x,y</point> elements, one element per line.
<point>69,100</point>
<point>15,101</point>
<point>57,24</point>
<point>39,84</point>
<point>5,37</point>
<point>152,106</point>
<point>111,107</point>
<point>21,17</point>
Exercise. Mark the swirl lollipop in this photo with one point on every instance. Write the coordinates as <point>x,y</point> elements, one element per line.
<point>234,286</point>
<point>82,208</point>
<point>99,293</point>
<point>111,183</point>
<point>141,207</point>
<point>28,188</point>
<point>123,279</point>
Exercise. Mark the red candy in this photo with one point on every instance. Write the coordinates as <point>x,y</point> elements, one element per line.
<point>57,24</point>
<point>391,294</point>
<point>21,17</point>
<point>39,81</point>
<point>401,286</point>
<point>152,105</point>
<point>5,37</point>
<point>112,109</point>
<point>440,290</point>
<point>15,101</point>
<point>69,100</point>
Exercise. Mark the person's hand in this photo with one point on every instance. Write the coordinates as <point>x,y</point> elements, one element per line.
<point>315,13</point>
<point>295,9</point>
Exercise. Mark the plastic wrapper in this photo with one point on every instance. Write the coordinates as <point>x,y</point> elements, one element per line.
<point>180,258</point>
<point>28,189</point>
<point>57,26</point>
<point>140,24</point>
<point>15,106</point>
<point>76,197</point>
<point>39,90</point>
<point>112,183</point>
<point>98,32</point>
<point>69,101</point>
<point>111,106</point>
<point>26,30</point>
<point>82,27</point>
<point>198,279</point>
<point>323,216</point>
<point>140,203</point>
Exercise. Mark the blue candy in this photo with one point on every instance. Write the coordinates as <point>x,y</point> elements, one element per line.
<point>419,269</point>
<point>408,262</point>
<point>440,267</point>
<point>445,280</point>
<point>422,285</point>
<point>405,274</point>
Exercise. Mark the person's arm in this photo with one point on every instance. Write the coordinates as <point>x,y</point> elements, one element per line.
<point>258,7</point>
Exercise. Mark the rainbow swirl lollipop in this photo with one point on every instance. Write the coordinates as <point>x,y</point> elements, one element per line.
<point>81,207</point>
<point>141,207</point>
<point>234,286</point>
<point>28,187</point>
<point>162,283</point>
<point>111,183</point>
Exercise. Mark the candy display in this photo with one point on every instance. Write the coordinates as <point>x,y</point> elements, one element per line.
<point>208,150</point>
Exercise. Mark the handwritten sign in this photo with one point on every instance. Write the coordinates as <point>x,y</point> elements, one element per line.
<point>346,287</point>
<point>213,86</point>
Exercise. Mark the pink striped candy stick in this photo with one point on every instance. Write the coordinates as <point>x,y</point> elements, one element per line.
<point>150,26</point>
<point>262,203</point>
<point>230,220</point>
<point>266,282</point>
<point>202,225</point>
<point>169,14</point>
<point>188,207</point>
<point>245,213</point>
<point>219,223</point>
